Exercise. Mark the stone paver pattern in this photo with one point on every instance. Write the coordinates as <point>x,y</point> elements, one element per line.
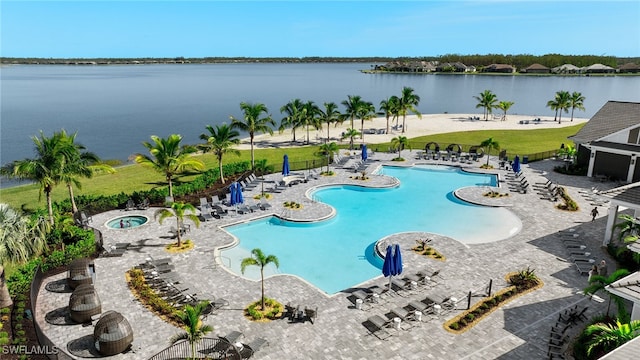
<point>518,330</point>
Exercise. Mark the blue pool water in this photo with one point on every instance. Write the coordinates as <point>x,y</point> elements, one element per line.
<point>127,222</point>
<point>338,253</point>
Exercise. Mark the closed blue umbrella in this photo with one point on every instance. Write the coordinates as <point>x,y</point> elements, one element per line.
<point>388,268</point>
<point>232,194</point>
<point>397,260</point>
<point>516,164</point>
<point>239,198</point>
<point>285,165</point>
<point>364,152</point>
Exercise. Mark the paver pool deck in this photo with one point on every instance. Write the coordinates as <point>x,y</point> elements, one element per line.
<point>517,330</point>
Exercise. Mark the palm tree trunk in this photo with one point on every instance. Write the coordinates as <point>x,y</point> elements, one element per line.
<point>328,136</point>
<point>262,282</point>
<point>404,116</point>
<point>220,167</point>
<point>251,143</point>
<point>170,186</point>
<point>308,139</point>
<point>49,205</point>
<point>560,118</point>
<point>572,109</point>
<point>362,130</point>
<point>74,208</point>
<point>555,118</point>
<point>387,124</point>
<point>179,231</point>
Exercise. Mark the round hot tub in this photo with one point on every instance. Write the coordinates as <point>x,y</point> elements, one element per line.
<point>127,222</point>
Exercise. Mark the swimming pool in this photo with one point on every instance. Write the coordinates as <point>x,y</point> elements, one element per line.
<point>338,253</point>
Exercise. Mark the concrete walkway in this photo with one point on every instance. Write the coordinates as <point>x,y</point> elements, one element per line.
<point>518,330</point>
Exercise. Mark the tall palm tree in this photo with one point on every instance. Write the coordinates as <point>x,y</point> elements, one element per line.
<point>408,102</point>
<point>553,105</point>
<point>490,144</point>
<point>258,258</point>
<point>352,105</point>
<point>486,100</point>
<point>220,141</point>
<point>46,168</point>
<point>366,112</point>
<point>350,134</point>
<point>80,164</point>
<point>563,102</point>
<point>387,108</point>
<point>253,122</point>
<point>505,106</point>
<point>20,240</point>
<point>599,282</point>
<point>293,119</point>
<point>576,101</point>
<point>194,329</point>
<point>180,211</point>
<point>169,158</point>
<point>395,109</point>
<point>329,115</point>
<point>310,112</point>
<point>328,150</point>
<point>607,337</point>
<point>400,143</point>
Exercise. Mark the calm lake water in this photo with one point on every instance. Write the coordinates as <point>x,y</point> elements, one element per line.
<point>115,108</point>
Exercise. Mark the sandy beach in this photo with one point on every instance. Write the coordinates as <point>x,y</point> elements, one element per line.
<point>414,127</point>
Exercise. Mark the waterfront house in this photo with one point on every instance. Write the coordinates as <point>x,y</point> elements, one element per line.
<point>629,68</point>
<point>598,69</point>
<point>609,143</point>
<point>500,68</point>
<point>536,69</point>
<point>565,69</point>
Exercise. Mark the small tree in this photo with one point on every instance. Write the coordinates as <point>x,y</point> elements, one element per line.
<point>194,329</point>
<point>220,141</point>
<point>259,259</point>
<point>608,337</point>
<point>490,144</point>
<point>487,101</point>
<point>179,211</point>
<point>599,282</point>
<point>328,150</point>
<point>505,106</point>
<point>400,143</point>
<point>350,134</point>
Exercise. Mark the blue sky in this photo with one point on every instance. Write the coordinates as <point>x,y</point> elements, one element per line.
<point>317,28</point>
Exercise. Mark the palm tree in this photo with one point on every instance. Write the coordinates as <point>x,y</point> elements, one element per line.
<point>20,240</point>
<point>259,259</point>
<point>293,110</point>
<point>563,102</point>
<point>169,158</point>
<point>329,115</point>
<point>553,105</point>
<point>253,122</point>
<point>599,282</point>
<point>46,168</point>
<point>490,144</point>
<point>607,337</point>
<point>352,105</point>
<point>628,228</point>
<point>180,211</point>
<point>350,134</point>
<point>366,112</point>
<point>576,101</point>
<point>487,101</point>
<point>400,143</point>
<point>262,168</point>
<point>310,112</point>
<point>220,141</point>
<point>79,163</point>
<point>388,107</point>
<point>328,150</point>
<point>505,106</point>
<point>408,102</point>
<point>194,330</point>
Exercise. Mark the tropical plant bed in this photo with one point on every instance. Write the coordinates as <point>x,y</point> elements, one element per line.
<point>363,178</point>
<point>568,203</point>
<point>328,173</point>
<point>185,246</point>
<point>265,195</point>
<point>398,159</point>
<point>428,251</point>
<point>149,298</point>
<point>292,205</point>
<point>272,310</point>
<point>495,194</point>
<point>485,166</point>
<point>522,282</point>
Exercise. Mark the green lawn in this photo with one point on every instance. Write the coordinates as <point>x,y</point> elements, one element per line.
<point>130,178</point>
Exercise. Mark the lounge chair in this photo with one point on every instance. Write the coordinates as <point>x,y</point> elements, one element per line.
<point>249,349</point>
<point>144,204</point>
<point>378,326</point>
<point>408,318</point>
<point>243,209</point>
<point>264,204</point>
<point>401,287</point>
<point>130,205</point>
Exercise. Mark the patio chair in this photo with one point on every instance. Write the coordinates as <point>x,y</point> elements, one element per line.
<point>130,205</point>
<point>310,314</point>
<point>366,298</point>
<point>408,318</point>
<point>243,209</point>
<point>377,326</point>
<point>400,287</point>
<point>144,204</point>
<point>249,349</point>
<point>225,342</point>
<point>264,204</point>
